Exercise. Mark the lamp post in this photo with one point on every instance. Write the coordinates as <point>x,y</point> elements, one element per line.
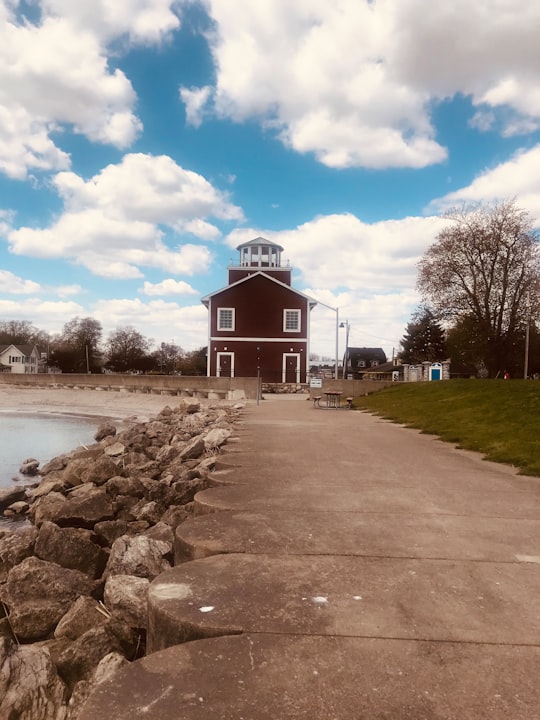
<point>336,310</point>
<point>346,324</point>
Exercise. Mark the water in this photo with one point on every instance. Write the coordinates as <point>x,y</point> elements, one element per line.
<point>40,436</point>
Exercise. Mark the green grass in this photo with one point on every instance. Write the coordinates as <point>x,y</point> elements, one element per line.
<point>498,418</point>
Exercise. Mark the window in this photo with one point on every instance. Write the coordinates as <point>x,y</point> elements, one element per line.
<point>291,320</point>
<point>225,319</point>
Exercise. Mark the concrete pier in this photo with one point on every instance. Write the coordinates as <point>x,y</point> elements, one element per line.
<point>344,568</point>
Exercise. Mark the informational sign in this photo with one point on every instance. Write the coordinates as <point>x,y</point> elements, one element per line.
<point>315,383</point>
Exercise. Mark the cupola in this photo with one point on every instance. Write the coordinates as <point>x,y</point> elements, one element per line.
<point>260,253</point>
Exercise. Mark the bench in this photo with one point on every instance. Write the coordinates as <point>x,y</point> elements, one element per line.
<point>317,400</point>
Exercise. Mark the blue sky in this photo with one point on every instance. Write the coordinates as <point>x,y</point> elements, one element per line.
<point>142,140</point>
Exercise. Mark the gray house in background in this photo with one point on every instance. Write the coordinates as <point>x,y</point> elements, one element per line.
<point>359,360</point>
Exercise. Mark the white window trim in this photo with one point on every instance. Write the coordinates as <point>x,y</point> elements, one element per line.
<point>298,313</point>
<point>233,313</point>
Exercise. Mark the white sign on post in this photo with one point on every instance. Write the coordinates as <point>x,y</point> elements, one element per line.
<point>315,383</point>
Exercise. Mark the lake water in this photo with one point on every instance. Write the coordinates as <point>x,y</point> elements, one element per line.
<point>39,436</point>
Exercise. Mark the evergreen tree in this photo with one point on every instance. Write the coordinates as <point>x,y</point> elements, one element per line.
<point>424,339</point>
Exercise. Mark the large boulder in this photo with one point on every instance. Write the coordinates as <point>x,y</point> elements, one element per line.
<point>85,613</point>
<point>81,658</point>
<point>217,437</point>
<point>126,596</point>
<point>30,466</point>
<point>83,507</point>
<point>38,594</point>
<point>14,548</point>
<point>100,470</point>
<point>11,495</point>
<point>119,485</point>
<point>139,555</point>
<point>106,429</point>
<point>75,548</point>
<point>30,688</point>
<point>194,449</point>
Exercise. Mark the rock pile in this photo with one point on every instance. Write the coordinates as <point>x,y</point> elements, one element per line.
<point>74,581</point>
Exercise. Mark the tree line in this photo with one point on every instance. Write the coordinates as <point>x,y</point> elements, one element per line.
<point>81,348</point>
<point>480,288</point>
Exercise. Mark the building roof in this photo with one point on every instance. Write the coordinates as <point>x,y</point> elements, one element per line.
<point>206,299</point>
<point>365,353</point>
<point>26,350</point>
<point>259,241</point>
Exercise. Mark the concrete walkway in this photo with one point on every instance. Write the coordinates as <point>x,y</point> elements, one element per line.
<point>344,568</point>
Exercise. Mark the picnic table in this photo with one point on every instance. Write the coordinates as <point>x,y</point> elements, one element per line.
<point>332,400</point>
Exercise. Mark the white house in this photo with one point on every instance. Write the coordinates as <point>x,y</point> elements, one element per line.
<point>19,358</point>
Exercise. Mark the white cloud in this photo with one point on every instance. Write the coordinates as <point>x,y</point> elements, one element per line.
<point>113,223</point>
<point>196,101</point>
<point>157,319</point>
<point>344,252</point>
<point>355,82</point>
<point>168,287</point>
<point>11,284</point>
<point>143,21</point>
<point>372,269</point>
<point>44,314</point>
<point>67,290</point>
<point>54,74</point>
<point>519,177</point>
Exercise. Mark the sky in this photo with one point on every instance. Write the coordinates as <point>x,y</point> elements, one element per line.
<point>141,141</point>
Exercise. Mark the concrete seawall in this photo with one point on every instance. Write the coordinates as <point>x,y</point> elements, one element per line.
<point>194,386</point>
<point>212,388</point>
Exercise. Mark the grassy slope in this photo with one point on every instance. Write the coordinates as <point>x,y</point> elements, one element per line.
<point>498,418</point>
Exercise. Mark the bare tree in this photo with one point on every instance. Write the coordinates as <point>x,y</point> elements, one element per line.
<point>128,349</point>
<point>485,267</point>
<point>77,349</point>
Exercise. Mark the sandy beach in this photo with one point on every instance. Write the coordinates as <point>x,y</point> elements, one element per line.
<point>93,403</point>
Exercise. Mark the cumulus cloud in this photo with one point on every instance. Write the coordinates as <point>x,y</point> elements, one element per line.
<point>55,74</point>
<point>143,21</point>
<point>168,287</point>
<point>45,314</point>
<point>372,269</point>
<point>355,83</point>
<point>115,223</point>
<point>158,319</point>
<point>11,284</point>
<point>519,177</point>
<point>196,101</point>
<point>342,251</point>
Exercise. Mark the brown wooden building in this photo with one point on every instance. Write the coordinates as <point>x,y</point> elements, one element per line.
<point>258,324</point>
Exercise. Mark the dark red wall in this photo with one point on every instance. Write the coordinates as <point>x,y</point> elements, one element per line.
<point>259,304</point>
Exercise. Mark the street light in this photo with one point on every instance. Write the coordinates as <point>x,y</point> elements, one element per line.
<point>336,310</point>
<point>347,325</point>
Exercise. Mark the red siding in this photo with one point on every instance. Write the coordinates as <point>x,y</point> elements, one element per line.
<point>259,303</point>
